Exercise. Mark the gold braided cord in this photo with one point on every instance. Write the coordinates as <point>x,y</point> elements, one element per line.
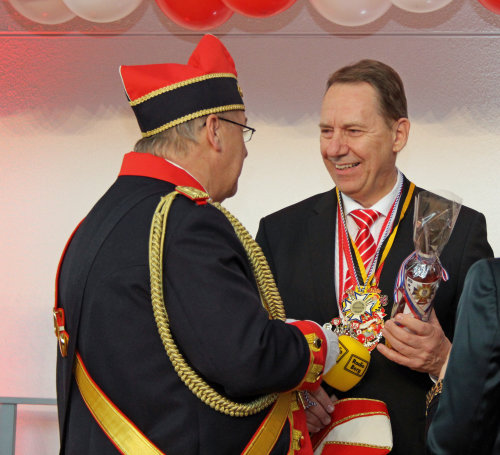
<point>193,115</point>
<point>270,297</point>
<point>177,85</point>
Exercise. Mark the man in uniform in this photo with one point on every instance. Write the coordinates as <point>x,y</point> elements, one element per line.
<point>361,231</point>
<point>172,334</point>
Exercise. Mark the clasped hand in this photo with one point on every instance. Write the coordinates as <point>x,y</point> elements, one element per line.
<point>318,415</point>
<point>421,346</point>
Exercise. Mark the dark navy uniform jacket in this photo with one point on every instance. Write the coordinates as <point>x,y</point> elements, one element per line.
<point>216,318</point>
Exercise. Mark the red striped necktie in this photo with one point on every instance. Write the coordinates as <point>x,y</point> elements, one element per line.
<point>364,241</point>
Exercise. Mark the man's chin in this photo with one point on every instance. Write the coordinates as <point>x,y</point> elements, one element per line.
<point>228,195</point>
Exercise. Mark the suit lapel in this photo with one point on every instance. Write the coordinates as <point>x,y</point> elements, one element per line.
<point>321,238</point>
<point>401,248</point>
<point>322,251</point>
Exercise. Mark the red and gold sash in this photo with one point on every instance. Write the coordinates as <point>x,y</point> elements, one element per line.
<point>359,426</point>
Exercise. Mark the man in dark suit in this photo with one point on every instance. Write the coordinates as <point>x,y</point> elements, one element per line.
<point>312,246</point>
<point>171,339</point>
<point>464,418</point>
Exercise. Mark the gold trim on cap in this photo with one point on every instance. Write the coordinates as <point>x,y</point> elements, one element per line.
<point>193,115</point>
<point>171,87</point>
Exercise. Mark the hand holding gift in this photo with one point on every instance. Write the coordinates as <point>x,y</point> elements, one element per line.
<point>418,279</point>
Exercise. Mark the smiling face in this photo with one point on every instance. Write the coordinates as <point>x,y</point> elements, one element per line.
<point>358,147</point>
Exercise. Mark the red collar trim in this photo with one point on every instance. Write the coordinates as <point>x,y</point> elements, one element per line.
<point>147,165</point>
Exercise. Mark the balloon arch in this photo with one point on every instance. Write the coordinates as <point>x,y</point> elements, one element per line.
<point>208,14</point>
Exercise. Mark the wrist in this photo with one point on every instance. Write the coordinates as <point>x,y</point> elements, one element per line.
<point>442,372</point>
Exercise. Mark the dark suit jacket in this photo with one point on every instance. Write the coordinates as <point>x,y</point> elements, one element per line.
<point>299,243</point>
<point>467,419</point>
<point>216,318</point>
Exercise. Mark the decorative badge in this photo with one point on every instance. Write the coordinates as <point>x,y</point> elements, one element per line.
<point>362,315</point>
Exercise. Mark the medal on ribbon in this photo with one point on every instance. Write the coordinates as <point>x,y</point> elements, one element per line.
<point>361,309</point>
<point>362,315</point>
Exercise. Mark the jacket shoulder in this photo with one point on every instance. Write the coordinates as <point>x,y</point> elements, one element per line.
<point>315,203</point>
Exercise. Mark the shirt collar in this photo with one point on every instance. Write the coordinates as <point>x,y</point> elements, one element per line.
<point>382,206</point>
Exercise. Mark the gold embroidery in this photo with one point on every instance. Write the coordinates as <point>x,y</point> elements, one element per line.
<point>192,193</point>
<point>314,342</point>
<point>437,389</point>
<point>361,414</point>
<point>186,118</point>
<point>363,399</point>
<point>314,373</point>
<point>357,444</point>
<point>297,439</point>
<point>177,85</point>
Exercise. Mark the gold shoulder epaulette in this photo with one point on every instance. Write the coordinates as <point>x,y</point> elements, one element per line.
<point>200,197</point>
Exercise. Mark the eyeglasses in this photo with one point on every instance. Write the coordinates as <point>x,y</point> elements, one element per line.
<point>247,131</point>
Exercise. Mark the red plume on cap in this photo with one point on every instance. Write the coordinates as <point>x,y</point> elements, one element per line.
<point>165,95</point>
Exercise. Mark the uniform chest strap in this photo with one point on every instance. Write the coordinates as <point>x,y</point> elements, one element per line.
<point>128,439</point>
<point>125,436</point>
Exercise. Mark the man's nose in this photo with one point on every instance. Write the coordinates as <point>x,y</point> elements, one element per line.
<point>337,145</point>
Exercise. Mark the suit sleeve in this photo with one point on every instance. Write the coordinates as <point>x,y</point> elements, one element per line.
<point>263,241</point>
<point>216,315</point>
<point>466,418</point>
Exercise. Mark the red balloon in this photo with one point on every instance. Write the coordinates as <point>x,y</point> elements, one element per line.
<point>195,14</point>
<point>492,5</point>
<point>259,8</point>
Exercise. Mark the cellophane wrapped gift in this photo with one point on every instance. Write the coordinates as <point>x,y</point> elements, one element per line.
<point>421,272</point>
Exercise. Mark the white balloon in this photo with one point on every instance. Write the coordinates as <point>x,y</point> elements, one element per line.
<point>43,11</point>
<point>102,10</point>
<point>351,12</point>
<point>420,6</point>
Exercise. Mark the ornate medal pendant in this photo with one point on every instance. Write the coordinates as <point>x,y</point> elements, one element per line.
<point>361,310</point>
<point>362,315</point>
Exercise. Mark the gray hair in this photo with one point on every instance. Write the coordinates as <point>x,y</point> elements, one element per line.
<point>173,141</point>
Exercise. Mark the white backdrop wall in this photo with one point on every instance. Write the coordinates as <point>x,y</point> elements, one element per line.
<point>65,125</point>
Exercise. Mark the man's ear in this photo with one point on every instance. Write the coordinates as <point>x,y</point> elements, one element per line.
<point>213,131</point>
<point>401,131</point>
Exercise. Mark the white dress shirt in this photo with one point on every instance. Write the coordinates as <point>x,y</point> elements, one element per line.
<point>383,206</point>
